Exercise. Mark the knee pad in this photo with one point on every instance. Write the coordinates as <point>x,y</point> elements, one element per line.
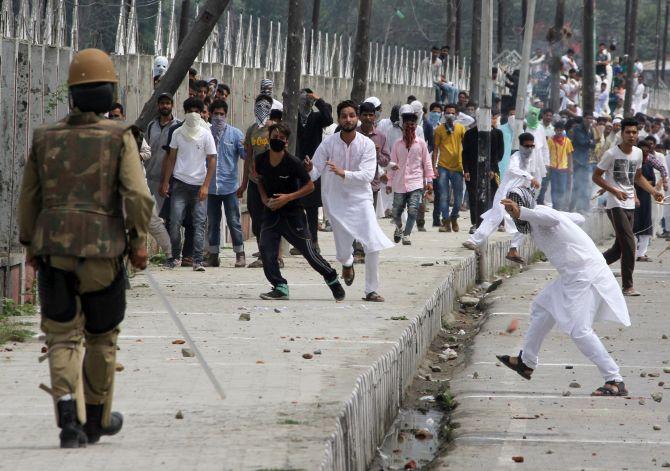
<point>105,309</point>
<point>57,292</point>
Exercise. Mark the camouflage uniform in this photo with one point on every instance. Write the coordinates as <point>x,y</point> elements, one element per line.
<point>83,190</point>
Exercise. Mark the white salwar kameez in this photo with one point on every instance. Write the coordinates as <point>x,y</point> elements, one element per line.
<point>585,291</point>
<point>517,174</point>
<point>349,202</point>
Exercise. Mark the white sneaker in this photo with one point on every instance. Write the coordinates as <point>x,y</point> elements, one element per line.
<point>406,240</point>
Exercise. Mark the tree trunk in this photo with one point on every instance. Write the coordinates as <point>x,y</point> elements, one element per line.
<point>626,25</point>
<point>524,9</point>
<point>362,51</point>
<point>630,85</point>
<point>658,43</point>
<point>183,20</point>
<point>474,50</point>
<point>293,69</point>
<point>316,7</point>
<point>457,29</point>
<point>521,95</point>
<point>501,26</point>
<point>451,26</point>
<point>588,47</point>
<point>183,59</point>
<point>555,58</point>
<point>665,38</point>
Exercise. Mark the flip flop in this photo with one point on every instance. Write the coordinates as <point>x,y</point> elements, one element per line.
<point>348,280</point>
<point>373,297</point>
<point>604,391</point>
<point>520,366</point>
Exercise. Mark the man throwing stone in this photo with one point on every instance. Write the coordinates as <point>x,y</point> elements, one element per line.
<point>346,163</point>
<point>584,292</point>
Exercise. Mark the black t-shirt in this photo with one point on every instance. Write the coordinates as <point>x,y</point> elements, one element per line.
<point>287,177</point>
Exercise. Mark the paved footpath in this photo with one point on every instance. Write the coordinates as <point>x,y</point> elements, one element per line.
<point>279,408</point>
<point>502,416</point>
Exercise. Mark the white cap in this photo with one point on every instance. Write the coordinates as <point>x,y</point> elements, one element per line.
<point>616,121</point>
<point>417,106</point>
<point>406,109</point>
<point>374,100</point>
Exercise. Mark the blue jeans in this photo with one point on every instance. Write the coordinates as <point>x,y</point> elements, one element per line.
<point>581,188</point>
<point>183,199</point>
<point>411,199</point>
<point>450,181</point>
<point>445,93</point>
<point>559,189</point>
<point>231,207</point>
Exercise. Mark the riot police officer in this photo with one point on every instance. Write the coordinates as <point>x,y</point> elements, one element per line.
<point>84,204</point>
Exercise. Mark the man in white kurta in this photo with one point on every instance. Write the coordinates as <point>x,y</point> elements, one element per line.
<point>518,173</point>
<point>346,163</point>
<point>585,291</point>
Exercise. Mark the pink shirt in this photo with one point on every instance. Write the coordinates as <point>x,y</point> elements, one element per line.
<point>414,169</point>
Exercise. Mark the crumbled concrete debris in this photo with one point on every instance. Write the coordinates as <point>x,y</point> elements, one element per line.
<point>245,316</point>
<point>179,415</point>
<point>666,370</point>
<point>317,352</point>
<point>567,393</point>
<point>575,384</point>
<point>448,354</point>
<point>119,367</point>
<point>435,369</point>
<point>187,352</point>
<point>657,396</point>
<point>469,301</point>
<point>307,356</point>
<point>517,459</point>
<point>656,427</point>
<point>287,350</point>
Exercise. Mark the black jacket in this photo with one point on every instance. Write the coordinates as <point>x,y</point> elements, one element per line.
<point>309,138</point>
<point>471,150</point>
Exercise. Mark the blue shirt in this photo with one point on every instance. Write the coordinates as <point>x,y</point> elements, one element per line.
<point>229,151</point>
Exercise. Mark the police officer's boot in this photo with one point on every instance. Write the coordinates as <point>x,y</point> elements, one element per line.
<point>94,428</point>
<point>71,435</point>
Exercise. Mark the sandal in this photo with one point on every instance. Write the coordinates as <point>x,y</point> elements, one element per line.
<point>643,258</point>
<point>605,391</point>
<point>373,297</point>
<point>520,366</point>
<point>516,259</point>
<point>348,274</point>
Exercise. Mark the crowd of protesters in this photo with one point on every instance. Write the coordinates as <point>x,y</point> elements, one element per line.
<point>201,167</point>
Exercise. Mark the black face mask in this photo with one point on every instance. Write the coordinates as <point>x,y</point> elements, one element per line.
<point>277,145</point>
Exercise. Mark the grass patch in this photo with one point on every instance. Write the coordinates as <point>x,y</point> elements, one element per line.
<point>445,399</point>
<point>12,330</point>
<point>158,259</point>
<point>288,422</point>
<point>506,270</point>
<point>538,256</point>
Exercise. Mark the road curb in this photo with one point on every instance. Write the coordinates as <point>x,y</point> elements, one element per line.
<point>374,402</point>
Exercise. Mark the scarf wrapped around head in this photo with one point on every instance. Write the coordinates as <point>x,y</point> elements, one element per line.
<point>262,111</point>
<point>267,86</point>
<point>533,117</point>
<point>193,126</point>
<point>524,197</point>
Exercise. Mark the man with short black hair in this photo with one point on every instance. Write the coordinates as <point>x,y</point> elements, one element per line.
<point>224,184</point>
<point>222,92</point>
<point>347,161</point>
<point>282,183</point>
<point>189,168</point>
<point>617,173</point>
<point>116,112</point>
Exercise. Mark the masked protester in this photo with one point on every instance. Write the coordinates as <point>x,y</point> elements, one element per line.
<point>517,175</point>
<point>585,290</point>
<point>283,182</point>
<point>223,186</point>
<point>84,161</point>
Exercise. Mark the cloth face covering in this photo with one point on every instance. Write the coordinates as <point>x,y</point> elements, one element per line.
<point>434,118</point>
<point>524,197</point>
<point>267,86</point>
<point>193,126</point>
<point>532,118</point>
<point>218,126</point>
<point>525,152</point>
<point>262,112</point>
<point>408,135</point>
